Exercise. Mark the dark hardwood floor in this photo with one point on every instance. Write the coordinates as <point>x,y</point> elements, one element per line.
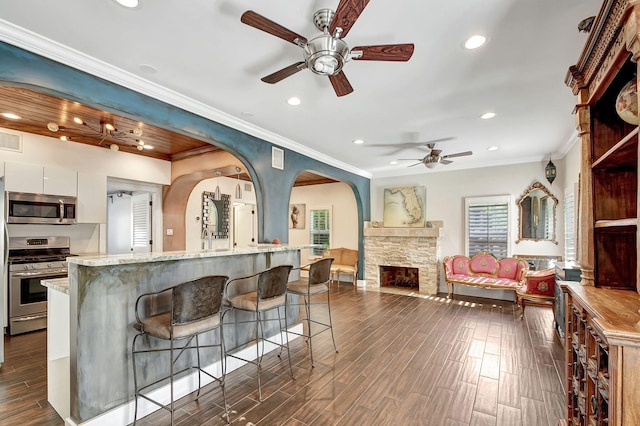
<point>402,361</point>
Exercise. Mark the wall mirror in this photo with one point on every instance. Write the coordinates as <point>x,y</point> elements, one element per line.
<point>215,215</point>
<point>537,218</point>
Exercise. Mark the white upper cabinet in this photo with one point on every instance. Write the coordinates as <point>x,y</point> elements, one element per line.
<point>27,177</point>
<point>24,177</point>
<point>92,198</point>
<point>60,181</point>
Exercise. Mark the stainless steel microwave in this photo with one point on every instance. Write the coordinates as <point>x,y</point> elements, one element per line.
<point>24,207</point>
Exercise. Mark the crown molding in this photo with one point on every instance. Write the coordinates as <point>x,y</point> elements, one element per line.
<point>35,43</point>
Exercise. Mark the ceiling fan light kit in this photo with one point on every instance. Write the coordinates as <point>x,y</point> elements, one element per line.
<point>327,53</point>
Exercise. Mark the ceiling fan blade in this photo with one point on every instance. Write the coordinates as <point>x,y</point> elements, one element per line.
<point>458,154</point>
<point>384,52</point>
<point>415,164</point>
<point>409,159</point>
<point>436,152</point>
<point>443,161</point>
<point>254,20</point>
<point>284,73</point>
<point>340,84</point>
<point>346,15</point>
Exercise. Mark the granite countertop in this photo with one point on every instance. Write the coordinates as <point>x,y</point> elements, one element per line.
<point>60,284</point>
<point>123,259</point>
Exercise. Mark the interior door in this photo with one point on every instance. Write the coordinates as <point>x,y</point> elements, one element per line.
<point>141,222</point>
<point>244,225</point>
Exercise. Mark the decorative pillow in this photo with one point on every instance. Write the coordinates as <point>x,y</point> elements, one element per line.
<point>541,283</point>
<point>484,263</point>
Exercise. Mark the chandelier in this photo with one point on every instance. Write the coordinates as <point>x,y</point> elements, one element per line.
<point>106,132</point>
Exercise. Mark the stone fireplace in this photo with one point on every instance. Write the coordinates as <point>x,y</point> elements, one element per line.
<point>400,252</point>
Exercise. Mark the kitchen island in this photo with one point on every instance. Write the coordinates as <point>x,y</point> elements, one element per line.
<point>102,294</point>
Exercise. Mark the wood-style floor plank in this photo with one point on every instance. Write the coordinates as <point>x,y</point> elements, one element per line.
<point>401,360</point>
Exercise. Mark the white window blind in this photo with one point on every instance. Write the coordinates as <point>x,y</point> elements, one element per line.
<point>141,222</point>
<point>569,227</point>
<point>319,230</point>
<point>488,227</point>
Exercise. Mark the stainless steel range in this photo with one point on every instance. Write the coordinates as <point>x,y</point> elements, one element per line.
<point>32,259</point>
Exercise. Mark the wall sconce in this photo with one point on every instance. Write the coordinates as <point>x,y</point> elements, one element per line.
<point>216,193</point>
<point>238,189</point>
<point>550,171</point>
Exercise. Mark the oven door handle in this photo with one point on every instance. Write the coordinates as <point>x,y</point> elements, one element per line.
<point>61,210</point>
<point>35,317</point>
<point>36,274</point>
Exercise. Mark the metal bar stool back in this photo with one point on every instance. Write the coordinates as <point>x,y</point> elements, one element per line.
<point>270,293</point>
<point>317,283</point>
<point>184,311</point>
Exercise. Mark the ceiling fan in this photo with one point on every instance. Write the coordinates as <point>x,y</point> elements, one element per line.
<point>433,158</point>
<point>327,53</point>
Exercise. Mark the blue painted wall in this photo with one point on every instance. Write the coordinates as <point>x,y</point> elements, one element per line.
<point>19,67</point>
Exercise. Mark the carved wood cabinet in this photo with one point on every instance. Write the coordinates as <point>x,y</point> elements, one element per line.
<point>603,356</point>
<point>602,339</point>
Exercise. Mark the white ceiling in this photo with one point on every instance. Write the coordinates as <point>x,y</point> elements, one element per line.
<point>211,61</point>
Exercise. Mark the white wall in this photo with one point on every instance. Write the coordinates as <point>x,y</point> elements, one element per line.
<point>340,200</point>
<point>446,191</point>
<point>193,216</point>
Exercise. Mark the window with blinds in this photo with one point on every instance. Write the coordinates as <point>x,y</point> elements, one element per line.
<point>487,222</point>
<point>319,231</point>
<point>569,227</point>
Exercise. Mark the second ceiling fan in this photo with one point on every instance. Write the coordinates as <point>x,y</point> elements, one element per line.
<point>434,157</point>
<point>327,53</point>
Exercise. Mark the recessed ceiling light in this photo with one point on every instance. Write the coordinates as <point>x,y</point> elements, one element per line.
<point>148,146</point>
<point>492,148</point>
<point>474,42</point>
<point>11,116</point>
<point>393,163</point>
<point>131,4</point>
<point>78,120</point>
<point>358,141</point>
<point>488,115</point>
<point>65,138</point>
<point>294,101</point>
<point>149,69</point>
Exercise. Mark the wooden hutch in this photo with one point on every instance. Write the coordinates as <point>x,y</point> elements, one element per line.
<point>603,311</point>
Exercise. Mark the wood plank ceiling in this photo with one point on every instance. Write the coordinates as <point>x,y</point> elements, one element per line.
<point>37,110</point>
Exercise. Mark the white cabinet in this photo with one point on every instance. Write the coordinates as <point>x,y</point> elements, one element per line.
<point>26,177</point>
<point>23,177</point>
<point>58,181</point>
<point>92,198</point>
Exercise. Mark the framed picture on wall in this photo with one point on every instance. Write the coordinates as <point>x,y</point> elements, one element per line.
<point>297,216</point>
<point>405,207</point>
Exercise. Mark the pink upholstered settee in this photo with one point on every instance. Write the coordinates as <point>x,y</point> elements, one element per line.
<point>485,271</point>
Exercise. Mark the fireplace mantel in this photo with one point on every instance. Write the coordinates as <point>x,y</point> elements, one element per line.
<point>403,247</point>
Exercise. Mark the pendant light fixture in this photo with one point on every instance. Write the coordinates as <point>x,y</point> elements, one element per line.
<point>550,171</point>
<point>238,189</point>
<point>216,193</point>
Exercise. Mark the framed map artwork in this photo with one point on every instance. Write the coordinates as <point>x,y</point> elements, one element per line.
<point>405,207</point>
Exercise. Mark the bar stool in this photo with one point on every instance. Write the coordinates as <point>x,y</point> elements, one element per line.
<point>316,284</point>
<point>268,291</point>
<point>193,308</point>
